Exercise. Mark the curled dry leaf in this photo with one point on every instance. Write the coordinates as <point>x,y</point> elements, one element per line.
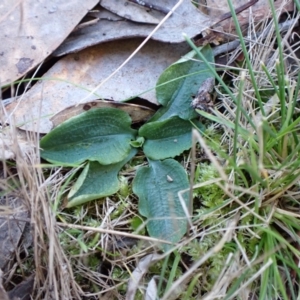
<point>138,113</point>
<point>31,30</point>
<point>73,78</point>
<point>203,99</point>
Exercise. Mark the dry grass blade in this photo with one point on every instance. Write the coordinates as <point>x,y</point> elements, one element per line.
<point>3,294</point>
<point>33,190</point>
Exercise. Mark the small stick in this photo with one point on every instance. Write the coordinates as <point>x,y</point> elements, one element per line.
<point>151,6</point>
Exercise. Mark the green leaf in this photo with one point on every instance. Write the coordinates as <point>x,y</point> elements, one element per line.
<point>166,138</point>
<point>138,142</point>
<point>179,83</point>
<point>157,187</point>
<point>101,135</point>
<point>136,223</point>
<point>97,181</point>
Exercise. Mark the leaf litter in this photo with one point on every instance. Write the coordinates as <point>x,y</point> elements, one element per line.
<point>32,31</point>
<point>74,77</point>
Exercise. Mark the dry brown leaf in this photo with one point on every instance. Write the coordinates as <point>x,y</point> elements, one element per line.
<point>187,18</point>
<point>74,76</point>
<point>30,30</point>
<point>138,113</point>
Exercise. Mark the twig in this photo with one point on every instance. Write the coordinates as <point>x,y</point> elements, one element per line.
<point>151,6</point>
<point>224,48</point>
<point>237,11</point>
<point>115,232</point>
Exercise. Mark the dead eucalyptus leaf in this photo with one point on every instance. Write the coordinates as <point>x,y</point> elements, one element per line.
<point>32,30</point>
<point>73,77</point>
<point>138,113</point>
<point>131,12</point>
<point>187,18</point>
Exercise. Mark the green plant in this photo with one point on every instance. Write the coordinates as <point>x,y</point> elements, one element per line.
<point>103,141</point>
<point>251,180</point>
